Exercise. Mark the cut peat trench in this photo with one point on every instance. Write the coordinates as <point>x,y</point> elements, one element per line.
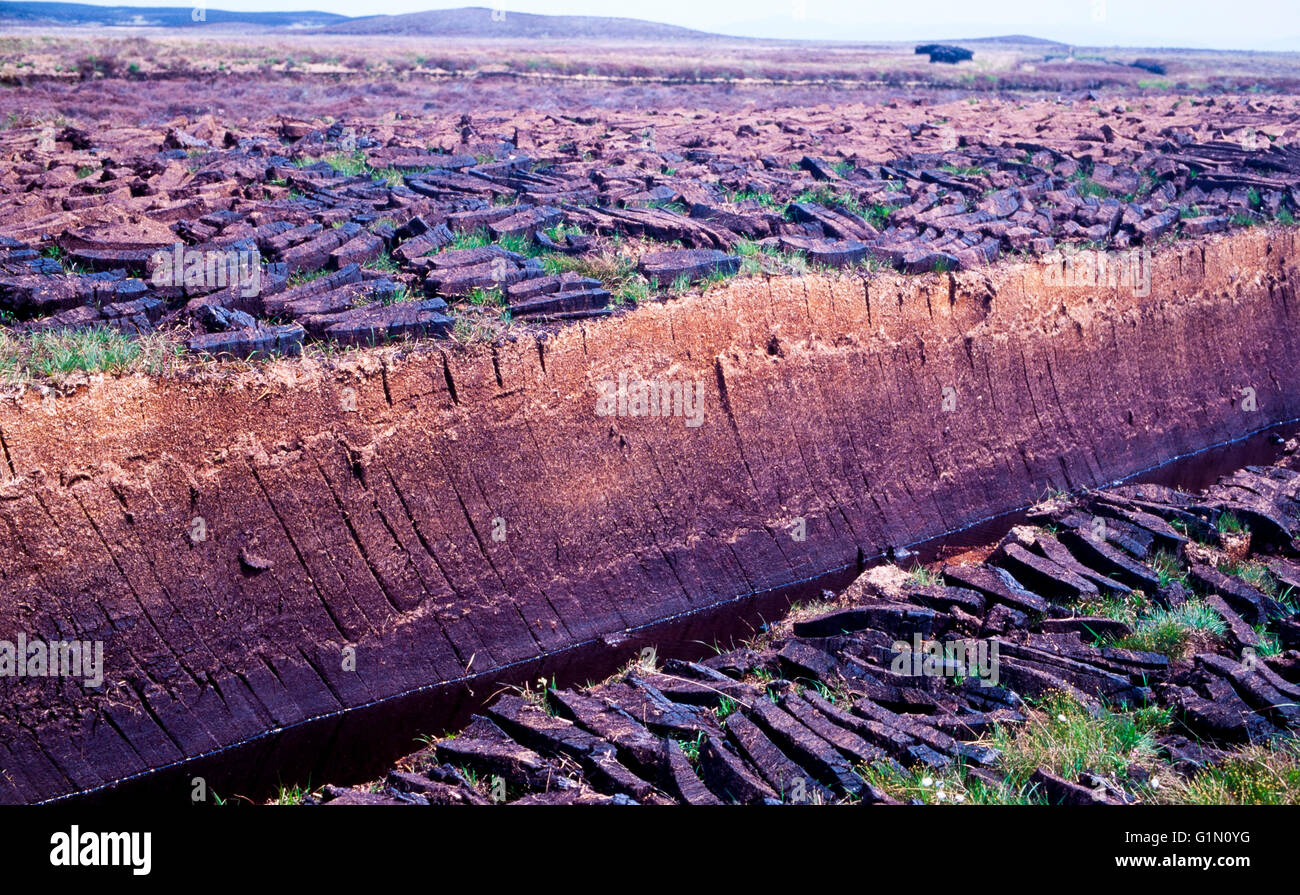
<point>324,528</point>
<point>357,745</point>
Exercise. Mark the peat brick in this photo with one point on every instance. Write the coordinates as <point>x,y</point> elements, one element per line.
<point>695,264</point>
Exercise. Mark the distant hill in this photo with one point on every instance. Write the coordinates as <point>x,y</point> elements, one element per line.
<point>470,21</point>
<point>478,21</point>
<point>1015,39</point>
<point>83,14</point>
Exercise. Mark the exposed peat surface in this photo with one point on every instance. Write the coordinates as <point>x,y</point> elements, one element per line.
<point>330,429</point>
<point>359,745</point>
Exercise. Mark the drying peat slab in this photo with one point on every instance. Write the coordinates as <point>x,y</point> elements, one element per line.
<point>252,240</point>
<point>1133,598</point>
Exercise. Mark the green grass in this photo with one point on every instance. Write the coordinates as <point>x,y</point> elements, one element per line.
<point>1120,608</point>
<point>1254,573</point>
<point>55,252</point>
<point>1174,632</point>
<point>475,239</point>
<point>1227,523</point>
<point>766,200</point>
<point>394,177</point>
<point>1064,738</point>
<point>965,171</point>
<point>834,697</point>
<point>1061,736</point>
<point>486,297</point>
<point>1147,181</point>
<point>1255,775</point>
<point>557,232</point>
<point>55,354</point>
<point>796,263</point>
<point>752,255</point>
<point>670,206</point>
<point>83,173</point>
<point>826,195</point>
<point>953,786</point>
<point>756,259</point>
<point>616,271</point>
<point>923,577</point>
<point>878,215</point>
<point>470,332</point>
<point>1269,644</point>
<point>1085,186</point>
<point>520,244</point>
<point>384,263</point>
<point>352,164</point>
<point>293,795</point>
<point>306,276</point>
<point>691,748</point>
<point>634,291</point>
<point>400,294</point>
<point>1168,568</point>
<point>611,268</point>
<point>348,163</point>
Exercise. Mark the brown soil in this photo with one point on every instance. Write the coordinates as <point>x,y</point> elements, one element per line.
<point>325,528</point>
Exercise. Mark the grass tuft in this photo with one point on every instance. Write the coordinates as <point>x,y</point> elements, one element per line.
<point>1174,632</point>
<point>1064,738</point>
<point>54,355</point>
<point>1255,775</point>
<point>1229,524</point>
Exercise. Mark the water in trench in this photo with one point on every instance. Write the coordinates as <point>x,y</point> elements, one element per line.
<point>361,743</point>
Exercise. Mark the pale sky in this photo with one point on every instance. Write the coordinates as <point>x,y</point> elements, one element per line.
<point>1243,24</point>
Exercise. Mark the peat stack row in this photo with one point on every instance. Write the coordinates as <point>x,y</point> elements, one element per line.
<point>372,221</point>
<point>800,718</point>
